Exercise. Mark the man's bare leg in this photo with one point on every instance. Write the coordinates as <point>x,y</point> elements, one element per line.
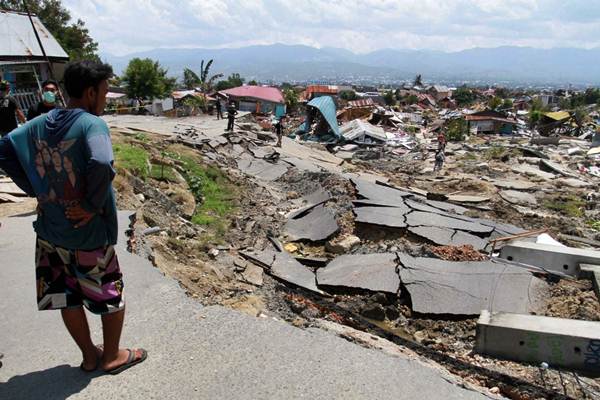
<point>77,325</point>
<point>112,326</point>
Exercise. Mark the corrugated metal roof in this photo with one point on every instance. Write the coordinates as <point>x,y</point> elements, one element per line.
<point>18,38</point>
<point>356,128</point>
<point>558,116</point>
<point>326,106</point>
<point>256,92</point>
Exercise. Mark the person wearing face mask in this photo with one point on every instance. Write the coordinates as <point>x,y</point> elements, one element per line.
<point>49,90</point>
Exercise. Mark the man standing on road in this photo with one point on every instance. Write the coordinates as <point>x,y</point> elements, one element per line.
<point>440,157</point>
<point>49,89</point>
<point>231,113</point>
<point>9,108</point>
<point>65,160</point>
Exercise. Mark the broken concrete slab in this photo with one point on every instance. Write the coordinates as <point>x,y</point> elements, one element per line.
<point>463,198</point>
<point>516,197</point>
<point>312,200</point>
<point>552,258</point>
<point>373,191</point>
<point>528,170</point>
<point>449,207</point>
<point>393,217</point>
<point>303,165</point>
<point>419,218</point>
<point>449,237</point>
<point>283,266</point>
<point>9,198</point>
<point>555,167</point>
<point>591,272</point>
<point>373,272</point>
<point>253,274</point>
<point>575,183</point>
<point>318,224</point>
<point>560,342</point>
<point>343,245</point>
<point>512,184</point>
<point>261,169</point>
<point>465,288</point>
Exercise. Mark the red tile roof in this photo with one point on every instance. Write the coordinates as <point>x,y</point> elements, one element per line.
<point>266,93</point>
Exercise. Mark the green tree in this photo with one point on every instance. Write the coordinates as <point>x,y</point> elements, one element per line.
<point>291,98</point>
<point>348,95</point>
<point>253,83</point>
<point>74,37</point>
<point>495,102</point>
<point>508,103</point>
<point>233,80</point>
<point>580,117</point>
<point>457,129</point>
<point>463,96</point>
<point>191,80</point>
<point>389,98</point>
<point>147,79</point>
<point>412,99</point>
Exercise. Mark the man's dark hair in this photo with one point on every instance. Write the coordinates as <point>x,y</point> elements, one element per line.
<point>81,75</point>
<point>4,85</point>
<point>49,82</point>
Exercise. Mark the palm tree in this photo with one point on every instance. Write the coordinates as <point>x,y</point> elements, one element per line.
<point>191,80</point>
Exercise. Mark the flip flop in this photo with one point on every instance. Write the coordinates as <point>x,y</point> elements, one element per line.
<point>99,358</point>
<point>131,361</point>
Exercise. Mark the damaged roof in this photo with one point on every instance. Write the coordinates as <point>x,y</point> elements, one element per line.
<point>357,128</point>
<point>265,93</point>
<point>19,41</point>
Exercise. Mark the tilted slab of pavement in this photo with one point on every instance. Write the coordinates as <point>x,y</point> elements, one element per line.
<point>195,352</point>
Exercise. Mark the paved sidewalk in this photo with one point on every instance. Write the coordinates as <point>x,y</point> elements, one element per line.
<point>195,352</point>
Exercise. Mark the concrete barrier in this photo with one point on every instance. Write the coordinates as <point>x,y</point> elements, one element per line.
<point>565,343</point>
<point>591,272</point>
<point>553,258</point>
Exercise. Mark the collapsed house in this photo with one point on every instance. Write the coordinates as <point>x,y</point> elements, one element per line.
<point>321,110</point>
<point>362,132</point>
<point>490,122</point>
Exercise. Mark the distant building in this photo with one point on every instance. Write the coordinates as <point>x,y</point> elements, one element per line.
<point>313,91</point>
<point>490,122</point>
<point>549,100</point>
<point>256,99</point>
<point>21,60</point>
<point>439,92</point>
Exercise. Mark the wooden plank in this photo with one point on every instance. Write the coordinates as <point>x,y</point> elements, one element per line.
<point>11,188</point>
<point>8,198</point>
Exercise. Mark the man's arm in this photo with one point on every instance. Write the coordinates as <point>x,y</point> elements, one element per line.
<point>19,112</point>
<point>100,172</point>
<point>10,163</point>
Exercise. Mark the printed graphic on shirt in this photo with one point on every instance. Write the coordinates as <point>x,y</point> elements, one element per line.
<point>54,166</point>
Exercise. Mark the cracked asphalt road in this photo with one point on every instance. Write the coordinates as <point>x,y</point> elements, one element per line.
<point>195,352</point>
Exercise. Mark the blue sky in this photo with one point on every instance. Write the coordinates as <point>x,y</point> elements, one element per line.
<point>124,26</point>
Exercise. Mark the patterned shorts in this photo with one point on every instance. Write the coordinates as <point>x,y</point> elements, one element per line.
<point>72,278</point>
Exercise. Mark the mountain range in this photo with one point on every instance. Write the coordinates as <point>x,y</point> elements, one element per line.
<point>299,63</point>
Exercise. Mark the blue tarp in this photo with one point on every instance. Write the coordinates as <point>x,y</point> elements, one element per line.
<point>326,106</point>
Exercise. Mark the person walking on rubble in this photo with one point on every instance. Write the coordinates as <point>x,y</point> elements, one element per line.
<point>231,113</point>
<point>440,157</point>
<point>219,109</point>
<point>9,108</point>
<point>65,160</point>
<point>441,141</point>
<point>279,130</point>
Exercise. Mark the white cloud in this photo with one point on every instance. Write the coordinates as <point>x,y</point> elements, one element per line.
<point>123,26</point>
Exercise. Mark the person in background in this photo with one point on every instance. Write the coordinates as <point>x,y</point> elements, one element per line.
<point>65,161</point>
<point>218,109</point>
<point>49,90</point>
<point>279,130</point>
<point>9,108</point>
<point>231,113</point>
<point>441,141</point>
<point>440,157</point>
